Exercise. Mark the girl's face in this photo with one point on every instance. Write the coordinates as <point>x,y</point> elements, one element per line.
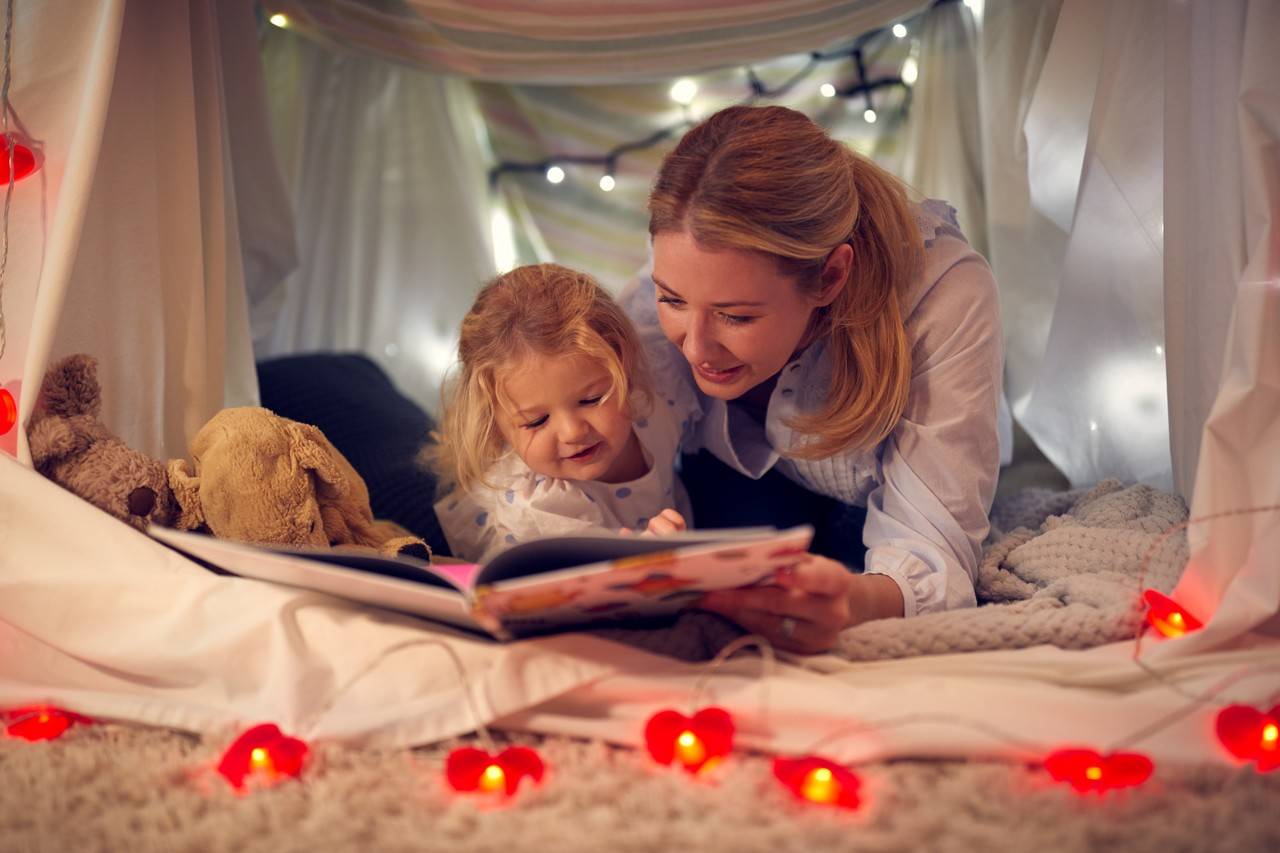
<point>561,425</point>
<point>735,316</point>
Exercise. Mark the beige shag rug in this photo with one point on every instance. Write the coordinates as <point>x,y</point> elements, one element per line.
<point>132,789</point>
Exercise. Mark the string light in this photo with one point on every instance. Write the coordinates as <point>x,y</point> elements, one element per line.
<point>264,755</point>
<point>1251,735</point>
<point>1088,771</point>
<point>683,92</point>
<point>279,20</point>
<point>607,183</point>
<point>470,769</point>
<point>696,743</point>
<point>869,115</point>
<point>1166,616</point>
<point>900,31</point>
<point>818,780</point>
<point>39,722</point>
<point>910,71</point>
<point>8,411</point>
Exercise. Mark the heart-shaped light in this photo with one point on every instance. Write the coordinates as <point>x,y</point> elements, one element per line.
<point>1088,770</point>
<point>8,411</point>
<point>1251,735</point>
<point>25,159</point>
<point>471,769</point>
<point>818,780</point>
<point>264,754</point>
<point>697,743</point>
<point>1167,616</point>
<point>40,722</point>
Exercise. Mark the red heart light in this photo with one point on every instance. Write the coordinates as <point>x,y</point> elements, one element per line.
<point>8,411</point>
<point>25,160</point>
<point>1167,617</point>
<point>813,778</point>
<point>264,753</point>
<point>40,722</point>
<point>471,769</point>
<point>1251,735</point>
<point>1088,770</point>
<point>697,742</point>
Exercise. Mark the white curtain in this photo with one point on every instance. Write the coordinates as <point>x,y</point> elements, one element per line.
<point>941,154</point>
<point>1222,292</point>
<point>387,178</point>
<point>571,42</point>
<point>142,265</point>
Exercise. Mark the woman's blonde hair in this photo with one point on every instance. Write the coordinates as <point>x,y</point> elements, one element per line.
<point>769,180</point>
<point>541,308</point>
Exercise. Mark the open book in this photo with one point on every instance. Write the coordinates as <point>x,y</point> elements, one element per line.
<point>533,587</point>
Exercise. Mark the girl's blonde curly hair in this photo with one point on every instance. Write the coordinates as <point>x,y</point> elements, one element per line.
<point>540,308</point>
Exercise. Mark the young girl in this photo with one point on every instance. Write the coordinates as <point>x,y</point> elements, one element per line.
<point>551,426</point>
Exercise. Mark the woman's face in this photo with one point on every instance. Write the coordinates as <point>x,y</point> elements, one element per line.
<point>735,316</point>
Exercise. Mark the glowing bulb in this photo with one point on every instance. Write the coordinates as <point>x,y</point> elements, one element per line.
<point>1093,426</point>
<point>910,71</point>
<point>870,115</point>
<point>555,174</point>
<point>827,90</point>
<point>279,20</point>
<point>1093,773</point>
<point>493,778</point>
<point>900,30</point>
<point>259,759</point>
<point>690,749</point>
<point>819,786</point>
<point>1159,350</point>
<point>607,183</point>
<point>683,91</point>
<point>1270,734</point>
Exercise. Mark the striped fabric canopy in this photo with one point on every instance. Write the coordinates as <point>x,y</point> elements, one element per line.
<point>585,41</point>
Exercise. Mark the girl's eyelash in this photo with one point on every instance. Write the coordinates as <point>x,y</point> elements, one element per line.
<point>534,424</point>
<point>736,319</point>
<point>668,300</point>
<point>591,401</point>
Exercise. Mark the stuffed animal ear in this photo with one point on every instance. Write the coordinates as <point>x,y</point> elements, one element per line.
<point>312,451</point>
<point>186,491</point>
<point>51,439</point>
<point>71,387</point>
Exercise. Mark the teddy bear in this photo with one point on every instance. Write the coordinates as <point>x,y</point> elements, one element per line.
<point>265,479</point>
<point>70,446</point>
<point>258,477</point>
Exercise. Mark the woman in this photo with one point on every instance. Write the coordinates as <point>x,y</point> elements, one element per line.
<point>840,338</point>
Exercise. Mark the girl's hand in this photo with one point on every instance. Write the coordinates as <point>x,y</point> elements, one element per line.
<point>810,605</point>
<point>667,521</point>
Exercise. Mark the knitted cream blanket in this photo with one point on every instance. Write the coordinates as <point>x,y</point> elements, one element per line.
<point>1060,568</point>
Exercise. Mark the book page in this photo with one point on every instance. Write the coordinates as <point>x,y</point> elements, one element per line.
<point>657,578</point>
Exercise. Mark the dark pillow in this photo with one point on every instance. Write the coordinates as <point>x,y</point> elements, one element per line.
<point>377,428</point>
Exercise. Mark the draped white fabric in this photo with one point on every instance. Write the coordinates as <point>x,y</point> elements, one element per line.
<point>1098,405</point>
<point>143,266</point>
<point>388,184</point>
<point>571,42</point>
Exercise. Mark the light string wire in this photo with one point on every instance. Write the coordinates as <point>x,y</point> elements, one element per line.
<point>1034,751</point>
<point>481,730</point>
<point>758,90</point>
<point>9,153</point>
<point>769,664</point>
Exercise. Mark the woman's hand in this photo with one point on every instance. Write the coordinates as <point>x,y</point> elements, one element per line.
<point>810,605</point>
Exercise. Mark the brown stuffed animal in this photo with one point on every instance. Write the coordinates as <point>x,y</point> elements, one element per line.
<point>70,446</point>
<point>267,480</point>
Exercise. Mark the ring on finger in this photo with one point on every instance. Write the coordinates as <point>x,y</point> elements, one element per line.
<point>788,627</point>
